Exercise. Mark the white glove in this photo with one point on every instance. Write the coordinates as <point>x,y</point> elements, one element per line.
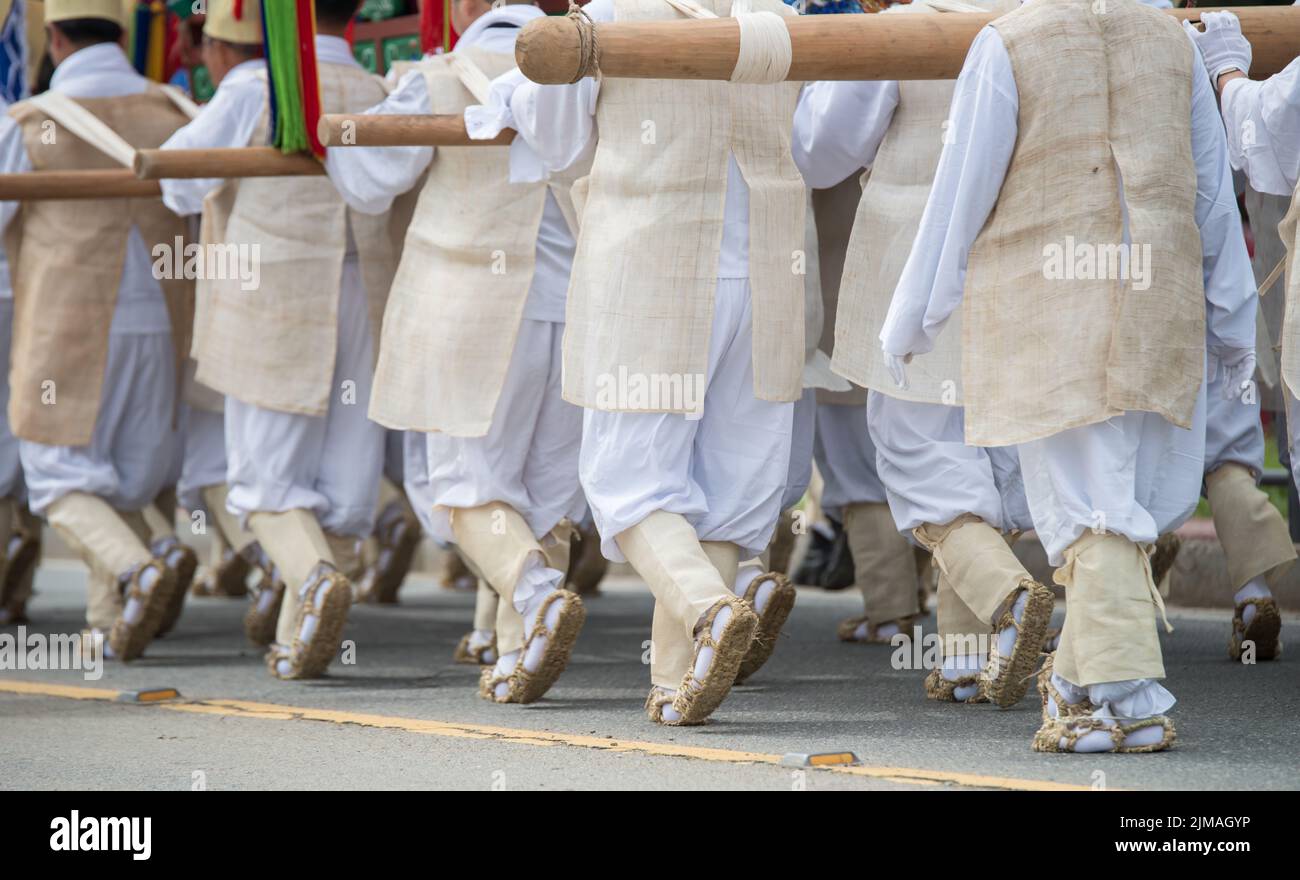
<point>898,368</point>
<point>1222,46</point>
<point>1238,371</point>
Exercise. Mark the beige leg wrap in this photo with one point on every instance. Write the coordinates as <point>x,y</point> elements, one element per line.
<point>157,523</point>
<point>959,627</point>
<point>107,544</point>
<point>1111,604</point>
<point>485,608</point>
<point>665,550</point>
<point>346,550</point>
<point>29,525</point>
<point>496,541</point>
<point>214,499</point>
<point>883,562</point>
<point>725,557</point>
<point>509,627</point>
<point>976,560</point>
<point>99,534</point>
<point>294,541</point>
<point>1254,536</point>
<point>557,545</point>
<point>161,515</point>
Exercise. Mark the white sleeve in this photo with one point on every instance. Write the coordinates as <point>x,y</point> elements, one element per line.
<point>557,123</point>
<point>228,120</point>
<point>1230,297</point>
<point>13,160</point>
<point>1263,124</point>
<point>838,126</point>
<point>981,136</point>
<point>369,178</point>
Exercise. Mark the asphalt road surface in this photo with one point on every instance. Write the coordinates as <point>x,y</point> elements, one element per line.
<point>403,715</point>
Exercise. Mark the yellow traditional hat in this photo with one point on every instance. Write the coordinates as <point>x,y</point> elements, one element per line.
<point>109,10</point>
<point>235,21</point>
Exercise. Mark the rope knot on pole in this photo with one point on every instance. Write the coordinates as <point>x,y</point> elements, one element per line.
<point>588,51</point>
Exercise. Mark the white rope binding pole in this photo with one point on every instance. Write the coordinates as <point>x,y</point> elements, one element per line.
<point>765,51</point>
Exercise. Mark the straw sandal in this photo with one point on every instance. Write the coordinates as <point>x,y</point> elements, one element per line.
<point>1163,556</point>
<point>326,596</point>
<point>937,687</point>
<point>697,698</point>
<point>847,629</point>
<point>526,686</point>
<point>227,578</point>
<point>477,655</point>
<point>89,636</point>
<point>587,565</point>
<point>1048,691</point>
<point>398,533</point>
<point>774,616</point>
<point>128,640</point>
<point>489,679</point>
<point>656,701</point>
<point>183,563</point>
<point>1264,629</point>
<point>1061,735</point>
<point>264,610</point>
<point>1052,640</point>
<point>22,552</point>
<point>1007,678</point>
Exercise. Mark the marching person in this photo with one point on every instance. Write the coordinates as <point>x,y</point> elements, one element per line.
<point>1087,297</point>
<point>294,358</point>
<point>962,503</point>
<point>1260,118</point>
<point>684,269</point>
<point>97,338</point>
<point>470,356</point>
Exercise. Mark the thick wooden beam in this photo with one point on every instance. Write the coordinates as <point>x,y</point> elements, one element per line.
<point>856,47</point>
<point>377,130</point>
<point>110,184</point>
<point>224,162</point>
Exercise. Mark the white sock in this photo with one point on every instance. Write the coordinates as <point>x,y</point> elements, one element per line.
<point>505,665</point>
<point>959,666</point>
<point>133,613</point>
<point>537,647</point>
<point>669,713</point>
<point>1007,638</point>
<point>885,631</point>
<point>744,578</point>
<point>1101,741</point>
<point>705,658</point>
<point>1255,589</point>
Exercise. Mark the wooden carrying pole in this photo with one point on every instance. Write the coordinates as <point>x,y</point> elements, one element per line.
<point>344,130</point>
<point>224,162</point>
<point>117,183</point>
<point>844,47</point>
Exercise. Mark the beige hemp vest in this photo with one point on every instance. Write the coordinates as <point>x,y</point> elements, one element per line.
<point>889,214</point>
<point>641,295</point>
<point>1289,230</point>
<point>274,347</point>
<point>1041,354</point>
<point>66,258</point>
<point>467,265</point>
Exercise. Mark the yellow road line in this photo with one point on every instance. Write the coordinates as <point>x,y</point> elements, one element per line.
<point>277,712</point>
